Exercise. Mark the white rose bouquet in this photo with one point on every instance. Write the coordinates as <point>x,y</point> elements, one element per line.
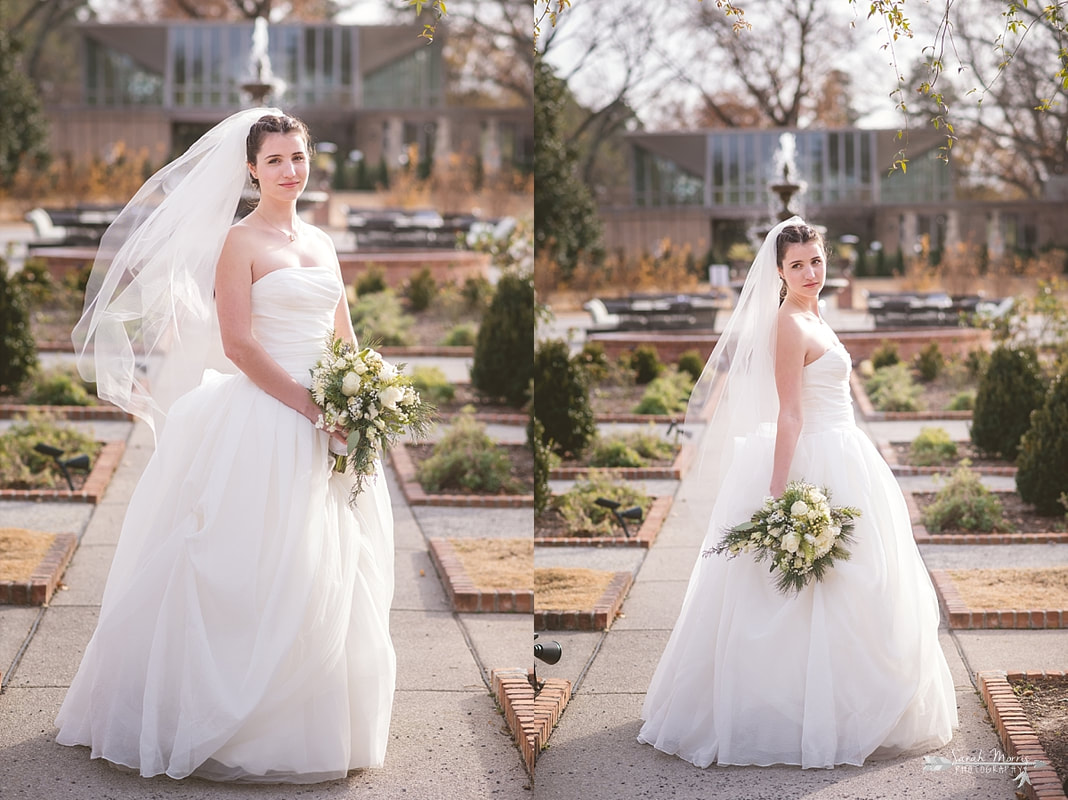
<point>364,395</point>
<point>801,533</point>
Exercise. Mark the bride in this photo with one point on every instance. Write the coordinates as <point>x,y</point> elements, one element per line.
<point>850,667</point>
<point>243,633</point>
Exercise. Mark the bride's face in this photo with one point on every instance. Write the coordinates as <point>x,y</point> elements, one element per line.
<point>282,166</point>
<point>804,270</point>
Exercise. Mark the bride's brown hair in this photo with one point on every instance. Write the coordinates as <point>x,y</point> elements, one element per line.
<point>794,234</point>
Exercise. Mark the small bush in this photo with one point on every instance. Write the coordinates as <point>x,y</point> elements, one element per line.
<point>1042,474</point>
<point>432,385</point>
<point>463,335</point>
<point>646,364</point>
<point>58,387</point>
<point>885,355</point>
<point>420,290</point>
<point>35,282</point>
<point>965,504</point>
<point>963,401</point>
<point>1009,390</point>
<point>477,293</point>
<point>631,449</point>
<point>667,394</point>
<point>371,282</point>
<point>502,366</point>
<point>545,460</point>
<point>379,317</point>
<point>932,447</point>
<point>691,362</point>
<point>466,458</point>
<point>22,467</point>
<point>562,399</point>
<point>584,517</point>
<point>891,388</point>
<point>929,362</point>
<point>594,361</point>
<point>18,351</point>
<point>976,362</point>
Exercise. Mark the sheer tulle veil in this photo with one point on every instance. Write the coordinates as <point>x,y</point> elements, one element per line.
<point>735,395</point>
<point>151,288</point>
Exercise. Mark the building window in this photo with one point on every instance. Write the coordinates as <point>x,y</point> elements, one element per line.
<point>928,180</point>
<point>115,79</point>
<point>659,182</point>
<point>412,81</point>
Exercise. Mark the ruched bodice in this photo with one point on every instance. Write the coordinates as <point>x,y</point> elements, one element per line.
<point>825,398</point>
<point>293,313</point>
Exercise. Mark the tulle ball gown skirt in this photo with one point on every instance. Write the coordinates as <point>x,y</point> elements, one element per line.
<point>243,633</point>
<point>847,669</point>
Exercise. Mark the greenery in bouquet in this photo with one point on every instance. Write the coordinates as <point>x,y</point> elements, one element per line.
<point>369,399</point>
<point>800,533</point>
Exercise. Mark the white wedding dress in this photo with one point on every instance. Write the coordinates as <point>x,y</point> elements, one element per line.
<point>847,668</point>
<point>243,633</point>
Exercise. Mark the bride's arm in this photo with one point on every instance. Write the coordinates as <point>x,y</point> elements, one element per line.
<point>233,300</point>
<point>789,367</point>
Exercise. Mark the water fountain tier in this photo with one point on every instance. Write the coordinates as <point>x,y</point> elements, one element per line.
<point>261,83</point>
<point>785,188</point>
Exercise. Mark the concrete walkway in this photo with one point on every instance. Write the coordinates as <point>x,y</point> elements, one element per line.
<point>447,739</point>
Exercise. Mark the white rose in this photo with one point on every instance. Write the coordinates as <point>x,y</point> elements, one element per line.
<point>798,508</point>
<point>388,371</point>
<point>350,384</point>
<point>390,396</point>
<point>790,542</point>
<point>359,367</point>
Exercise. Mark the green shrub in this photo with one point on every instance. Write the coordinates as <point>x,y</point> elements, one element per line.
<point>545,460</point>
<point>1009,390</point>
<point>22,467</point>
<point>432,385</point>
<point>976,362</point>
<point>18,351</point>
<point>502,365</point>
<point>594,361</point>
<point>691,363</point>
<point>420,290</point>
<point>467,458</point>
<point>932,447</point>
<point>1042,474</point>
<point>631,449</point>
<point>584,517</point>
<point>963,401</point>
<point>646,364</point>
<point>966,504</point>
<point>666,395</point>
<point>477,293</point>
<point>885,355</point>
<point>891,388</point>
<point>372,281</point>
<point>562,398</point>
<point>463,335</point>
<point>929,362</point>
<point>35,282</point>
<point>378,317</point>
<point>58,387</point>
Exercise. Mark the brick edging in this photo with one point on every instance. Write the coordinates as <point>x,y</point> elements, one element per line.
<point>599,618</point>
<point>674,471</point>
<point>624,417</point>
<point>960,617</point>
<point>923,536</point>
<point>1016,733</point>
<point>107,412</point>
<point>38,589</point>
<point>417,496</point>
<point>530,717</point>
<point>490,417</point>
<point>886,450</point>
<point>462,592</point>
<point>95,484</point>
<point>436,350</point>
<point>645,536</point>
<point>867,410</point>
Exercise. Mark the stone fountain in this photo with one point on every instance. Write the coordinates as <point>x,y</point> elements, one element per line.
<point>261,82</point>
<point>783,185</point>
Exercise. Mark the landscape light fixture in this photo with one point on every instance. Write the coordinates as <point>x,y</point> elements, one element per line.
<point>65,465</point>
<point>634,513</point>
<point>550,653</point>
<point>678,429</point>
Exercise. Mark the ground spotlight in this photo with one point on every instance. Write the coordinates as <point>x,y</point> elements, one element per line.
<point>634,513</point>
<point>550,653</point>
<point>65,465</point>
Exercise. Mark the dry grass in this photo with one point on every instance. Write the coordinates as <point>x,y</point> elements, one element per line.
<point>1013,588</point>
<point>497,563</point>
<point>21,551</point>
<point>557,589</point>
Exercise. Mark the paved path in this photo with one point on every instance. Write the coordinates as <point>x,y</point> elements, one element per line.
<point>447,739</point>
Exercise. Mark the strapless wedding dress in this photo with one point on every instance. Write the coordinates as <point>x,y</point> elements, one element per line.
<point>243,633</point>
<point>846,669</point>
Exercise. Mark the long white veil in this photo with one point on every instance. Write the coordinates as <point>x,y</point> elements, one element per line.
<point>152,283</point>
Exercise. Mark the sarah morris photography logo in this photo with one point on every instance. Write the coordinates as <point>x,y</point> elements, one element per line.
<point>994,762</point>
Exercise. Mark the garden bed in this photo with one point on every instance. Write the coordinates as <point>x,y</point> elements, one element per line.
<point>88,488</point>
<point>1028,599</point>
<point>32,565</point>
<point>1028,526</point>
<point>869,412</point>
<point>656,469</point>
<point>551,530</point>
<point>486,575</point>
<point>578,599</point>
<point>486,411</point>
<point>1045,704</point>
<point>898,456</point>
<point>406,457</point>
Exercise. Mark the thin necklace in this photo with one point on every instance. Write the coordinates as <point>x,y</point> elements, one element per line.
<point>291,236</point>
